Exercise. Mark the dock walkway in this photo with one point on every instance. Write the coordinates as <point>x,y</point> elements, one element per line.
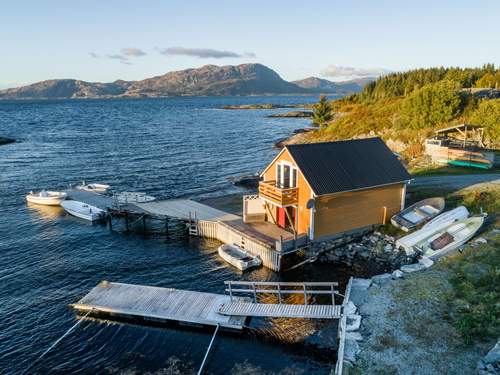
<point>267,310</point>
<point>159,304</point>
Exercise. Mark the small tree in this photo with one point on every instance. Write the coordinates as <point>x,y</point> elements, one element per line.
<point>322,112</point>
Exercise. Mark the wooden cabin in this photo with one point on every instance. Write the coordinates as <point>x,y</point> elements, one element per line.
<point>324,190</point>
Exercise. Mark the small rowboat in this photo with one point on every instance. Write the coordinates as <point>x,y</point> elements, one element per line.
<point>238,257</point>
<point>435,225</point>
<point>96,188</point>
<point>47,198</point>
<point>133,197</point>
<point>83,211</point>
<point>418,213</point>
<point>449,238</point>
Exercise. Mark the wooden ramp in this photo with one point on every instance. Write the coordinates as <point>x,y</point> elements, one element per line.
<point>159,305</point>
<point>281,310</point>
<point>185,209</point>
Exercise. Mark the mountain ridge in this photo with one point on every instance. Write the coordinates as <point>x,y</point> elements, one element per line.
<point>208,80</point>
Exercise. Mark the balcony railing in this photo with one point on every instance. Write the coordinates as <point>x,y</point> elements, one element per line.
<point>282,197</point>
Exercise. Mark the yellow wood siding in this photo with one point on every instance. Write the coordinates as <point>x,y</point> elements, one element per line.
<point>304,193</point>
<point>342,212</point>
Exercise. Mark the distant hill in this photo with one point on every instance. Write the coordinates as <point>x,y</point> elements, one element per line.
<point>209,80</point>
<point>324,86</point>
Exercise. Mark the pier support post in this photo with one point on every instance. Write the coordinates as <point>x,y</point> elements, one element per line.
<point>167,234</point>
<point>110,222</point>
<point>144,223</point>
<point>126,221</point>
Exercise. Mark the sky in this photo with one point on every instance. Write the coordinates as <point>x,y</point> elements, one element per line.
<point>107,40</point>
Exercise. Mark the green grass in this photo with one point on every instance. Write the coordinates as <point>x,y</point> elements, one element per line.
<point>449,171</point>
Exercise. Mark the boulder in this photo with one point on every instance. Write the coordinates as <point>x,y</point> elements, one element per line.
<point>353,323</point>
<point>490,364</point>
<point>481,240</point>
<point>363,284</point>
<point>382,279</point>
<point>398,274</point>
<point>413,267</point>
<point>388,248</point>
<point>351,350</point>
<point>426,262</point>
<point>356,336</point>
<point>350,308</point>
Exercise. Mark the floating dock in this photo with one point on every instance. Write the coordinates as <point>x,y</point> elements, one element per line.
<point>159,305</point>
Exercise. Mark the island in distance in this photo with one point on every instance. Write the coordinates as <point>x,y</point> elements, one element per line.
<point>209,80</point>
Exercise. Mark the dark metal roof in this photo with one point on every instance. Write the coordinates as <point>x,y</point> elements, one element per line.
<point>333,167</point>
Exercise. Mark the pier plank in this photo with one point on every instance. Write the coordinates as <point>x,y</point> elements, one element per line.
<point>281,310</point>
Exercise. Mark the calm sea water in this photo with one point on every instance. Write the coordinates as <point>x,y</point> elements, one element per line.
<point>184,147</point>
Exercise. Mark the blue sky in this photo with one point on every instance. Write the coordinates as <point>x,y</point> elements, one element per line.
<point>107,40</point>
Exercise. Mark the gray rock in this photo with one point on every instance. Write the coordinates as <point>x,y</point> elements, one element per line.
<point>413,267</point>
<point>351,350</point>
<point>481,240</point>
<point>493,356</point>
<point>350,308</point>
<point>426,262</point>
<point>388,248</point>
<point>361,283</point>
<point>356,336</point>
<point>398,274</point>
<point>381,279</point>
<point>353,323</point>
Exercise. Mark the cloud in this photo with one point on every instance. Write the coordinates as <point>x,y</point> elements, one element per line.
<point>136,52</point>
<point>348,71</point>
<point>94,55</point>
<point>203,53</point>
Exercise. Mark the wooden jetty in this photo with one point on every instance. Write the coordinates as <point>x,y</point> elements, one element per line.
<point>192,218</point>
<point>158,305</point>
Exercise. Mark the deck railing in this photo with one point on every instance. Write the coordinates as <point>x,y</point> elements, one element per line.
<point>281,196</point>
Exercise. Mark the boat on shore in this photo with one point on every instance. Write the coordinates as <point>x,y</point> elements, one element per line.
<point>449,238</point>
<point>93,187</point>
<point>418,213</point>
<point>435,225</point>
<point>238,257</point>
<point>83,210</point>
<point>133,197</point>
<point>46,198</point>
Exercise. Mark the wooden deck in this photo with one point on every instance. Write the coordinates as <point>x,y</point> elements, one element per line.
<point>185,209</point>
<point>159,304</point>
<point>281,310</point>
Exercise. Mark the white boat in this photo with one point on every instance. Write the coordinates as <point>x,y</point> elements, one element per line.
<point>47,198</point>
<point>134,197</point>
<point>83,210</point>
<point>435,225</point>
<point>238,257</point>
<point>458,213</point>
<point>449,238</point>
<point>96,188</point>
<point>418,213</point>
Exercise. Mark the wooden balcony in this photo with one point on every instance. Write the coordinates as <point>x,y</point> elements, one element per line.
<point>281,197</point>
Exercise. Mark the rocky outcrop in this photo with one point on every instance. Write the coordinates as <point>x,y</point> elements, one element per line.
<point>292,114</point>
<point>324,86</point>
<point>490,364</point>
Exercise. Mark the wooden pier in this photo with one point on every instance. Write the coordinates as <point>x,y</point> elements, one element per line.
<point>158,305</point>
<point>188,217</point>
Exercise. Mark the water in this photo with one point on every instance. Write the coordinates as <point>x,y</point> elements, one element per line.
<point>178,147</point>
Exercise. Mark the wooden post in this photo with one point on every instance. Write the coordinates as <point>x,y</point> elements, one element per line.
<point>333,294</point>
<point>144,223</point>
<point>230,291</point>
<point>384,217</point>
<point>279,294</point>
<point>110,222</point>
<point>167,234</point>
<point>126,221</point>
<point>305,294</point>
<point>254,293</point>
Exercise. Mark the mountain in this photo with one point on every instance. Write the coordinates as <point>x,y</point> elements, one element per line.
<point>245,79</point>
<point>209,80</point>
<point>324,86</point>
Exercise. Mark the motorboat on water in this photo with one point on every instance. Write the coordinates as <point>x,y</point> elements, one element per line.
<point>239,258</point>
<point>449,238</point>
<point>418,213</point>
<point>47,198</point>
<point>133,197</point>
<point>83,210</point>
<point>435,225</point>
<point>93,187</point>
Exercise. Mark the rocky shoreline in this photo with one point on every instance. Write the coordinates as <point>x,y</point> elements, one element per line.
<point>262,106</point>
<point>292,114</point>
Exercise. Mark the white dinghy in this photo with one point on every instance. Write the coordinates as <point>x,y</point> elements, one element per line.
<point>96,188</point>
<point>83,210</point>
<point>238,257</point>
<point>435,225</point>
<point>133,197</point>
<point>47,198</point>
<point>449,238</point>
